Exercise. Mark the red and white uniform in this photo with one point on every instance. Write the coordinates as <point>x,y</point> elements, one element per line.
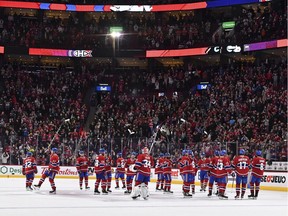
<point>220,167</point>
<point>203,164</point>
<point>166,166</point>
<point>258,166</point>
<point>108,163</point>
<point>120,165</point>
<point>241,165</point>
<point>29,166</point>
<point>82,164</point>
<point>54,163</point>
<point>158,166</point>
<point>194,166</point>
<point>143,164</point>
<point>129,162</point>
<point>185,165</point>
<point>99,164</point>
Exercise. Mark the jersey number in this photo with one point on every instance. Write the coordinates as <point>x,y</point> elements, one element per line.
<point>146,163</point>
<point>242,165</point>
<point>220,166</point>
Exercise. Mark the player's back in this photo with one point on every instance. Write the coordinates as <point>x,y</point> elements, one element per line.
<point>82,163</point>
<point>185,165</point>
<point>158,166</point>
<point>203,164</point>
<point>167,166</point>
<point>99,165</point>
<point>220,166</point>
<point>54,162</point>
<point>120,163</point>
<point>258,166</point>
<point>108,163</point>
<point>29,165</point>
<point>241,164</point>
<point>144,163</point>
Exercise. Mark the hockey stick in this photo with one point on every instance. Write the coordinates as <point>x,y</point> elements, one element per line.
<point>58,130</point>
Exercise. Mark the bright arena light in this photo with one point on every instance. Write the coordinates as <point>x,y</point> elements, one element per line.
<point>115,34</point>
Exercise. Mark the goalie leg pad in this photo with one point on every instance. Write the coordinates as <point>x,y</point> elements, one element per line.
<point>144,191</point>
<point>137,192</point>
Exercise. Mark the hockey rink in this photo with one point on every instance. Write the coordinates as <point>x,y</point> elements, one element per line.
<point>69,200</point>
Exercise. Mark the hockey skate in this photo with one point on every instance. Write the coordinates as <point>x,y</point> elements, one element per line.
<point>29,188</point>
<point>237,197</point>
<point>37,187</point>
<point>104,192</point>
<point>109,191</point>
<point>158,190</point>
<point>251,196</point>
<point>222,196</point>
<point>96,192</point>
<point>209,194</point>
<point>186,194</point>
<point>124,187</point>
<point>87,188</point>
<point>127,192</point>
<point>81,188</point>
<point>53,191</point>
<point>168,192</point>
<point>117,187</point>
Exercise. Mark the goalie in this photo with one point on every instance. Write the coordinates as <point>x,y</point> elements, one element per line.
<point>143,166</point>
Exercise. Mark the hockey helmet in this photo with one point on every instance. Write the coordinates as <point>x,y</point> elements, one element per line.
<point>54,150</point>
<point>241,152</point>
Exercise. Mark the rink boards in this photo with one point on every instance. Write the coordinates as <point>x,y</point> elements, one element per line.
<point>275,181</point>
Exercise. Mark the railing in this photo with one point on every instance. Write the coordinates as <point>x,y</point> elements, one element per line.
<point>68,145</point>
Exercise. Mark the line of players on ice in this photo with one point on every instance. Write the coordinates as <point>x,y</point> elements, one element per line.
<point>212,169</point>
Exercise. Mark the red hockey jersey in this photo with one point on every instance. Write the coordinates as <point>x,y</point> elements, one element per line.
<point>82,164</point>
<point>184,165</point>
<point>120,165</point>
<point>99,165</point>
<point>166,166</point>
<point>203,164</point>
<point>29,166</point>
<point>219,167</point>
<point>258,166</point>
<point>143,164</point>
<point>158,166</point>
<point>108,163</point>
<point>54,163</point>
<point>241,165</point>
<point>129,162</point>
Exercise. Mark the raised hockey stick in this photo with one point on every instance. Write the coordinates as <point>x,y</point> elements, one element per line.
<point>58,130</point>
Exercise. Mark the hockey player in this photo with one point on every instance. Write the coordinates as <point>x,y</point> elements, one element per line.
<point>167,170</point>
<point>194,169</point>
<point>51,172</point>
<point>220,168</point>
<point>143,166</point>
<point>159,173</point>
<point>185,172</point>
<point>203,165</point>
<point>120,171</point>
<point>258,166</point>
<point>130,163</point>
<point>108,169</point>
<point>212,173</point>
<point>82,169</point>
<point>100,173</point>
<point>241,166</point>
<point>29,169</point>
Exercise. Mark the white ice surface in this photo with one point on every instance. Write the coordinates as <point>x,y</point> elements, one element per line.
<point>70,201</point>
